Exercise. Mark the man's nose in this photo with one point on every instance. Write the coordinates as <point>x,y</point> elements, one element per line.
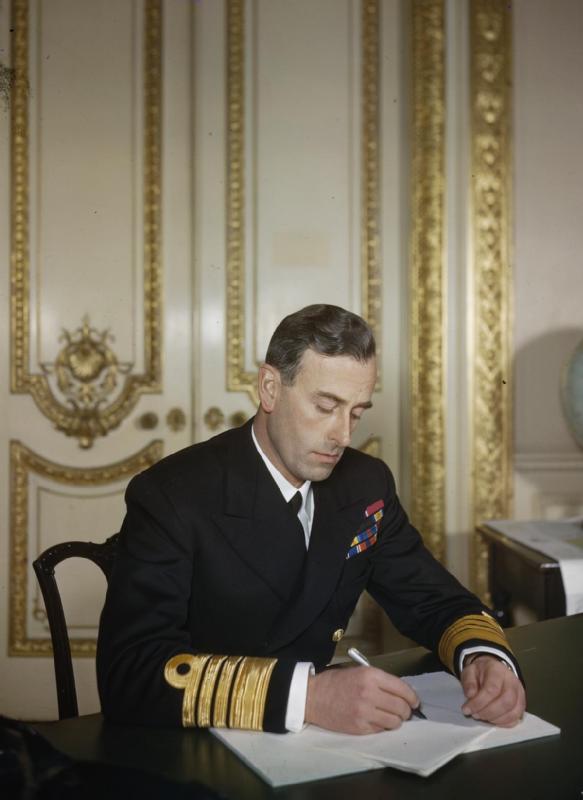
<point>342,433</point>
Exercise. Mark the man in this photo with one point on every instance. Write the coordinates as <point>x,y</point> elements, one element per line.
<point>242,558</point>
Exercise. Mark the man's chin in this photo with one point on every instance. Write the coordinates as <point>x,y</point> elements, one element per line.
<point>319,472</point>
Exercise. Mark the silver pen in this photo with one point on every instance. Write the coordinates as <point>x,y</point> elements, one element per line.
<point>357,656</point>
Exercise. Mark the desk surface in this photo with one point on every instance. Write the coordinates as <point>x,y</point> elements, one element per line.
<point>551,655</point>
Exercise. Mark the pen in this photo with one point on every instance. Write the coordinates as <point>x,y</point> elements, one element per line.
<point>357,656</point>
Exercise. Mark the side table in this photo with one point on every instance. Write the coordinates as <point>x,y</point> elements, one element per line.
<point>520,574</point>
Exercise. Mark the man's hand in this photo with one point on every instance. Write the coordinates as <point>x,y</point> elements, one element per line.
<point>358,700</point>
<point>493,692</point>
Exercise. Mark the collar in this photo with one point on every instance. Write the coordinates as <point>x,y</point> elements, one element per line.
<point>285,487</point>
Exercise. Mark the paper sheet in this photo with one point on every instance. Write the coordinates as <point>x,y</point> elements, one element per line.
<point>283,759</point>
<point>442,698</point>
<point>563,541</point>
<point>420,746</point>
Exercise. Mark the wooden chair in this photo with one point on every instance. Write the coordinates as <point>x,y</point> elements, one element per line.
<point>101,554</point>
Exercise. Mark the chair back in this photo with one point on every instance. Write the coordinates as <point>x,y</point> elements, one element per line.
<point>103,555</point>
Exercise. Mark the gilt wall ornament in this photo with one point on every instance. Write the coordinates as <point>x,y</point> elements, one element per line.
<point>82,393</point>
<point>86,374</point>
<point>491,112</point>
<point>239,379</point>
<point>25,543</point>
<point>427,273</point>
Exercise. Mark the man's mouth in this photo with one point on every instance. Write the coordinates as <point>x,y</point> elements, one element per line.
<point>328,458</point>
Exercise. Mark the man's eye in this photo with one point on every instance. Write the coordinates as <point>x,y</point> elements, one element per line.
<point>356,417</point>
<point>325,409</point>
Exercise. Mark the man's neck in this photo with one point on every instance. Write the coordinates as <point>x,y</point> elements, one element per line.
<point>264,442</point>
<point>288,490</point>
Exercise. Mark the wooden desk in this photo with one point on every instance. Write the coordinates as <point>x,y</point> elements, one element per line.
<point>551,656</point>
<point>519,574</point>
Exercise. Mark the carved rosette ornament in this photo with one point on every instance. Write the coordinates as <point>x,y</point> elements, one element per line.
<point>86,373</point>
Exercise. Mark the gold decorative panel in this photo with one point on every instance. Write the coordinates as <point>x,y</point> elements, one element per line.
<point>23,462</point>
<point>238,378</point>
<point>427,278</point>
<point>84,420</point>
<point>370,235</point>
<point>490,47</point>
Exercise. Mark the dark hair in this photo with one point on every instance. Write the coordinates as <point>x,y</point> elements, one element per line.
<point>329,330</point>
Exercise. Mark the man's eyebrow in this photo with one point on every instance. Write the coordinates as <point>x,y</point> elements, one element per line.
<point>339,400</point>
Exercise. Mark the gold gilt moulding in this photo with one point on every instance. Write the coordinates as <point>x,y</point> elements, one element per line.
<point>238,378</point>
<point>86,392</point>
<point>23,463</point>
<point>490,48</point>
<point>427,279</point>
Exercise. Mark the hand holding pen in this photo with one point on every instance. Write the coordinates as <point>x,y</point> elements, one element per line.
<point>358,700</point>
<point>357,656</point>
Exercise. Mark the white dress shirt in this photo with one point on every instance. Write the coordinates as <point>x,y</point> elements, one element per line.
<point>298,690</point>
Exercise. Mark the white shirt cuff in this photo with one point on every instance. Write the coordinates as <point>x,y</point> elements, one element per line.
<point>484,649</point>
<point>298,692</point>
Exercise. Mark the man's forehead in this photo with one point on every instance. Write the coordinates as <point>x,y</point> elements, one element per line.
<point>313,359</point>
<point>327,373</point>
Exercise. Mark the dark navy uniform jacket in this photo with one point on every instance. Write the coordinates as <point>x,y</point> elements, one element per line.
<point>208,567</point>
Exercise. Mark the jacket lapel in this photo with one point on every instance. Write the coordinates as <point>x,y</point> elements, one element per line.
<point>338,512</point>
<point>255,518</point>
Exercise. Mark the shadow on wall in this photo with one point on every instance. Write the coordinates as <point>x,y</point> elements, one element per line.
<point>540,425</point>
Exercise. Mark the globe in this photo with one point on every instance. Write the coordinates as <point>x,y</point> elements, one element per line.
<point>572,393</point>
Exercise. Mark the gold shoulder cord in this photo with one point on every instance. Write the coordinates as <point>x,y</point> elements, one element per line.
<point>472,626</point>
<point>236,685</point>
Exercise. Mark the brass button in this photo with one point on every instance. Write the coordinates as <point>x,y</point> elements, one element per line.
<point>338,634</point>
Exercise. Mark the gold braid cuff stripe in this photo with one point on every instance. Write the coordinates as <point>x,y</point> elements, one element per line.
<point>250,693</point>
<point>84,423</point>
<point>22,462</point>
<point>221,690</point>
<point>490,45</point>
<point>207,690</point>
<point>427,301</point>
<point>238,379</point>
<point>469,628</point>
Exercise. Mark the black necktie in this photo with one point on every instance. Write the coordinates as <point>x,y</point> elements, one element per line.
<point>297,555</point>
<point>295,504</point>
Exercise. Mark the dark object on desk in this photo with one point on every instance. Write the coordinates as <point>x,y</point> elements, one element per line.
<point>32,769</point>
<point>519,574</point>
<point>101,554</point>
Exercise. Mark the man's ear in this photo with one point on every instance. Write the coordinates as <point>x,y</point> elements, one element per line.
<point>269,384</point>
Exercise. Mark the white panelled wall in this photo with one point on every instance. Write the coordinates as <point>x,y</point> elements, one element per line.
<point>548,251</point>
<point>300,240</point>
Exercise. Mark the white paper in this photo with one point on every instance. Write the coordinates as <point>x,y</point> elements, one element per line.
<point>442,699</point>
<point>283,759</point>
<point>563,541</point>
<point>419,746</point>
<point>530,727</point>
